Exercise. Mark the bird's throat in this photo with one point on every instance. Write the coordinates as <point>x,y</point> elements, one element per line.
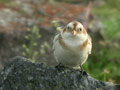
<point>72,43</point>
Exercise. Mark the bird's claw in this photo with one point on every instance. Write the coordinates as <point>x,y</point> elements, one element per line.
<point>83,72</point>
<point>59,66</point>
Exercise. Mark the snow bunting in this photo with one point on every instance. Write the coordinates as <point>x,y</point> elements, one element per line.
<point>72,46</point>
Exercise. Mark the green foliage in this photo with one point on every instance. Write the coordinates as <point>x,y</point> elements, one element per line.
<point>56,25</point>
<point>104,63</point>
<point>33,49</point>
<point>110,18</point>
<point>106,59</point>
<point>112,28</point>
<point>4,1</point>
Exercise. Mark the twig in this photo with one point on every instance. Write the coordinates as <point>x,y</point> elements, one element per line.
<point>87,15</point>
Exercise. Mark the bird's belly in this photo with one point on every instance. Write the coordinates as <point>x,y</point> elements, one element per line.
<point>69,58</point>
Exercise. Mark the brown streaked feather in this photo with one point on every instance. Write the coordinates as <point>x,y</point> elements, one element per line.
<point>75,25</point>
<point>83,45</point>
<point>61,42</point>
<point>90,43</point>
<point>64,30</point>
<point>90,38</point>
<point>84,31</point>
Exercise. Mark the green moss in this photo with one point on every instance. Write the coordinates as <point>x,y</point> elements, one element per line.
<point>4,1</point>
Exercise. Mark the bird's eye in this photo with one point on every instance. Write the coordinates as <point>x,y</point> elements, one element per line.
<point>68,28</point>
<point>80,29</point>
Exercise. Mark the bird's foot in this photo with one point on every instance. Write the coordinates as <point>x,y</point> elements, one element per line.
<point>60,66</point>
<point>83,72</point>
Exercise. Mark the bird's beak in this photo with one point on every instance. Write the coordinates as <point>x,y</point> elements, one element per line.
<point>74,32</point>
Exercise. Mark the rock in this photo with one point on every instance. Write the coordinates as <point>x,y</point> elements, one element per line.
<point>11,45</point>
<point>7,16</point>
<point>11,19</point>
<point>20,74</point>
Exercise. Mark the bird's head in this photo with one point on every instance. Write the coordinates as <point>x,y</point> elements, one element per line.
<point>75,28</point>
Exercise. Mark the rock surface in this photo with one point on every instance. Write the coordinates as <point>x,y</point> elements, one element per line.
<point>20,74</point>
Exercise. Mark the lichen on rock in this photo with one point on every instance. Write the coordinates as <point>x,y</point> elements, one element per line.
<point>21,74</point>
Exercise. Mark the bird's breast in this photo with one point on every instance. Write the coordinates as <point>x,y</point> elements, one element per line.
<point>75,44</point>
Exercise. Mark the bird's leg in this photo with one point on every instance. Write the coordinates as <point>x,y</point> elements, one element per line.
<point>82,71</point>
<point>59,66</point>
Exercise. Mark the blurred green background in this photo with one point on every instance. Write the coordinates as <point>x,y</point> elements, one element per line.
<point>104,62</point>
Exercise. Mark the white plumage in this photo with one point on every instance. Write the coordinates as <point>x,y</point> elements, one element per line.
<point>72,46</point>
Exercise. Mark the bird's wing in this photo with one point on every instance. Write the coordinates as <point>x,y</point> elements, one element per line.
<point>90,44</point>
<point>55,40</point>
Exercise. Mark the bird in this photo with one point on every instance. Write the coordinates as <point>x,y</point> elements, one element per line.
<point>72,45</point>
